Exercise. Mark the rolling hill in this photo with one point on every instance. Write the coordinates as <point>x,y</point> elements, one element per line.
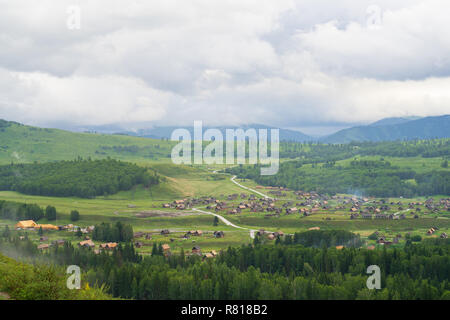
<point>394,129</point>
<point>20,143</point>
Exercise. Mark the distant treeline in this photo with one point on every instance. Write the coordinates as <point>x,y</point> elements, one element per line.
<point>119,232</point>
<point>318,152</point>
<point>23,211</point>
<point>372,178</point>
<point>281,271</point>
<point>80,178</point>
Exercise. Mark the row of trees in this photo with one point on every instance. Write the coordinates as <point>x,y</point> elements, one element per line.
<point>22,211</point>
<point>81,178</point>
<point>119,232</point>
<point>318,152</point>
<point>282,271</point>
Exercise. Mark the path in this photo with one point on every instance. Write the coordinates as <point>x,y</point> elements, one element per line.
<point>249,189</point>
<point>228,222</point>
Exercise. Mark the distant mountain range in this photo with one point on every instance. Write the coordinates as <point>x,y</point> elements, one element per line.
<point>390,129</point>
<point>166,132</point>
<point>387,129</point>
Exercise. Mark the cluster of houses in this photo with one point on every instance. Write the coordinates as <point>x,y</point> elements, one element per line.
<point>270,235</point>
<point>433,230</point>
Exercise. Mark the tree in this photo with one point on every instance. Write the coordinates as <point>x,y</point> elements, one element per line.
<point>6,232</point>
<point>40,232</point>
<point>50,213</point>
<point>74,215</point>
<point>216,221</point>
<point>79,234</point>
<point>444,164</point>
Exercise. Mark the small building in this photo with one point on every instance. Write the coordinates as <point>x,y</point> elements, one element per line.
<point>108,246</point>
<point>43,246</point>
<point>87,244</point>
<point>46,227</point>
<point>138,244</point>
<point>219,234</point>
<point>196,250</point>
<point>26,224</point>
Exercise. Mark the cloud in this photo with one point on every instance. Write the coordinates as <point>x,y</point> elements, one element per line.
<point>284,63</point>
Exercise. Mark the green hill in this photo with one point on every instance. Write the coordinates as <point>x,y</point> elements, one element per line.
<point>21,144</point>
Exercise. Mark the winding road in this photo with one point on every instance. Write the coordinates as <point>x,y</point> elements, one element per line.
<point>228,222</point>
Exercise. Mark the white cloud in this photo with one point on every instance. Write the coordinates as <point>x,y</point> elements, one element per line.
<point>286,63</point>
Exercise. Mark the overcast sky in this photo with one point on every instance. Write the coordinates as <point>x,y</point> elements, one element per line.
<point>315,65</point>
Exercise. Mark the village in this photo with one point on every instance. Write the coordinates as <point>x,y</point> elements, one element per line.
<point>282,203</point>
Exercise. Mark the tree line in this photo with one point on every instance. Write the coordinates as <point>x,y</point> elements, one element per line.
<point>282,271</point>
<point>372,178</point>
<point>23,211</point>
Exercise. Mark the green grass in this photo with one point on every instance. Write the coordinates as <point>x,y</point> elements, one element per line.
<point>19,143</point>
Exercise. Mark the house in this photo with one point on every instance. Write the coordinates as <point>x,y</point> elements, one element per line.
<point>219,234</point>
<point>26,224</point>
<point>43,246</point>
<point>291,210</point>
<point>43,238</point>
<point>138,234</point>
<point>278,233</point>
<point>444,235</point>
<point>196,250</point>
<point>58,242</point>
<point>339,247</point>
<point>87,244</point>
<point>165,247</point>
<point>208,256</point>
<point>138,244</point>
<point>195,233</point>
<point>314,228</point>
<point>108,246</point>
<point>271,236</point>
<point>372,247</point>
<point>165,232</point>
<point>46,227</point>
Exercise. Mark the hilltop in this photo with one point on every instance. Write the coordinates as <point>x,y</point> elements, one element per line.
<point>394,129</point>
<point>21,144</point>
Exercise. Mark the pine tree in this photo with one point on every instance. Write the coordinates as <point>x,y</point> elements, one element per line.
<point>154,249</point>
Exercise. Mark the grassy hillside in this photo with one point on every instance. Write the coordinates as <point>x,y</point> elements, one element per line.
<point>20,143</point>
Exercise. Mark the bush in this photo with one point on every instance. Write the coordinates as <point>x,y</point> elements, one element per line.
<point>74,215</point>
